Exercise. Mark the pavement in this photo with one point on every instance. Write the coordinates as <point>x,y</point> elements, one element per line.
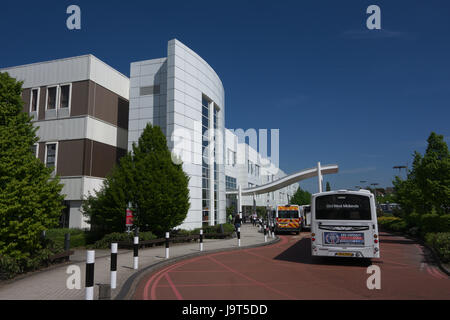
<point>50,284</point>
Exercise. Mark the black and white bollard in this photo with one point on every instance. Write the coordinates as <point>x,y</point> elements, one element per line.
<point>113,265</point>
<point>201,239</point>
<point>90,260</point>
<point>167,245</point>
<point>239,236</point>
<point>265,234</point>
<point>135,253</point>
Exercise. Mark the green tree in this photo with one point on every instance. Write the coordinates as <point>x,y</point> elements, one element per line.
<point>147,177</point>
<point>427,187</point>
<point>328,187</point>
<point>301,197</point>
<point>30,199</point>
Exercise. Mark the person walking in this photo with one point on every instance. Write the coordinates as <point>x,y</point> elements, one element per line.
<point>237,221</point>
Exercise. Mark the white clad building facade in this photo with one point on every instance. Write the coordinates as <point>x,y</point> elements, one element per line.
<point>184,96</point>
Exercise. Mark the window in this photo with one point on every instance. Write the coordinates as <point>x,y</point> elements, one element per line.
<point>64,96</point>
<point>231,158</point>
<point>59,97</point>
<point>34,149</point>
<point>34,100</point>
<point>257,170</point>
<point>51,98</point>
<point>343,207</point>
<point>230,183</point>
<point>149,90</point>
<point>50,155</point>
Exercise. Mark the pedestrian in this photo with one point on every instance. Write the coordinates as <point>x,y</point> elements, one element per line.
<point>237,221</point>
<point>230,218</point>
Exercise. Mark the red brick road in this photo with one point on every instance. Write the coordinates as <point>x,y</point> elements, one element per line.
<point>287,271</point>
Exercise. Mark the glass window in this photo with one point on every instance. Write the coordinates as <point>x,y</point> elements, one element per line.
<point>34,150</point>
<point>50,161</point>
<point>64,96</point>
<point>292,214</point>
<point>34,100</point>
<point>149,90</point>
<point>343,207</point>
<point>51,98</point>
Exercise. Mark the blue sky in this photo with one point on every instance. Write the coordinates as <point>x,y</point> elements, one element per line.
<point>338,92</point>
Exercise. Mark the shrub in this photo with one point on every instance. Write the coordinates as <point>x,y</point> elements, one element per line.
<point>77,237</point>
<point>386,222</point>
<point>399,226</point>
<point>440,242</point>
<point>413,219</point>
<point>430,222</point>
<point>9,267</point>
<point>106,241</point>
<point>445,223</point>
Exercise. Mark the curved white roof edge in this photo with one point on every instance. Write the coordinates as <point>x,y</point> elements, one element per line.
<point>287,180</point>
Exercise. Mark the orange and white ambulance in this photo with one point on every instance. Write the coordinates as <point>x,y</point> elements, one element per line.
<point>288,219</point>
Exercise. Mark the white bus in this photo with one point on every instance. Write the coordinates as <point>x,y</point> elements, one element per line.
<point>344,224</point>
<point>306,216</point>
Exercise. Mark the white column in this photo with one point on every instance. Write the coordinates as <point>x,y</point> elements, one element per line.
<point>319,176</point>
<point>239,201</point>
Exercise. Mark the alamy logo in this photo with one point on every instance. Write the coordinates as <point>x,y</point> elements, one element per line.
<point>193,147</point>
<point>374,281</point>
<point>373,21</point>
<point>74,280</point>
<point>74,20</point>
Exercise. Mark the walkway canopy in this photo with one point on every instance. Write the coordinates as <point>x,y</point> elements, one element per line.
<point>287,180</point>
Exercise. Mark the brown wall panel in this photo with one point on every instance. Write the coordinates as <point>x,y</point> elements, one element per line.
<point>87,164</point>
<point>84,157</point>
<point>110,107</point>
<point>43,95</point>
<point>104,157</point>
<point>80,98</point>
<point>26,100</point>
<point>41,151</point>
<point>70,157</point>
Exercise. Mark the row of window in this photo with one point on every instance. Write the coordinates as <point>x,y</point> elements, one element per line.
<point>230,183</point>
<point>253,169</point>
<point>231,157</point>
<point>51,152</point>
<point>57,97</point>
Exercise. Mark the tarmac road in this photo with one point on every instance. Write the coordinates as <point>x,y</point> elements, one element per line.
<point>286,271</point>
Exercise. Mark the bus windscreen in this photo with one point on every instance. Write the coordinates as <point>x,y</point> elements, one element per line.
<point>343,207</point>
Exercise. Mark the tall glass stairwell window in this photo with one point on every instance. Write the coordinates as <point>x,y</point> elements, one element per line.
<point>216,173</point>
<point>205,162</point>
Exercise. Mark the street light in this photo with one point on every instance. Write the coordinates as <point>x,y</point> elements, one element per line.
<point>400,169</point>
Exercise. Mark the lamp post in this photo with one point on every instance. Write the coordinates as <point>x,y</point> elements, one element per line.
<point>400,169</point>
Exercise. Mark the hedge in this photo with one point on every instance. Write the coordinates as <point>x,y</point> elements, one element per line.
<point>77,237</point>
<point>106,241</point>
<point>440,242</point>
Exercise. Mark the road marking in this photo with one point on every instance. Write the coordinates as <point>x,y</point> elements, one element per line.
<point>251,279</point>
<point>169,280</point>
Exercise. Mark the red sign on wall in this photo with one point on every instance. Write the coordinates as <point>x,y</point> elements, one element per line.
<point>129,218</point>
